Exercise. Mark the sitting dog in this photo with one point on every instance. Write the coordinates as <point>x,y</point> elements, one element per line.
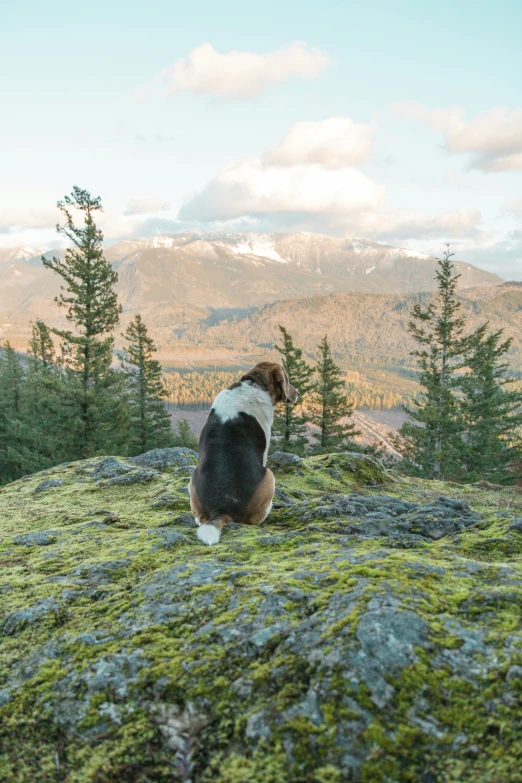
<point>231,482</point>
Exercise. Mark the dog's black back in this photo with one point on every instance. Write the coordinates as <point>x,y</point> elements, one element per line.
<point>230,465</point>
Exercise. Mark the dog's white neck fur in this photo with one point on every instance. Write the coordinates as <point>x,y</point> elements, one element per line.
<point>246,398</point>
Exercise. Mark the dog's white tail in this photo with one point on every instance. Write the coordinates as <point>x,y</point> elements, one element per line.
<point>210,532</point>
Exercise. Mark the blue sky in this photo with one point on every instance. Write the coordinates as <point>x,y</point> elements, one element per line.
<point>397,120</point>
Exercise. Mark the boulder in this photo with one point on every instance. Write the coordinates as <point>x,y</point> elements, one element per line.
<point>369,630</point>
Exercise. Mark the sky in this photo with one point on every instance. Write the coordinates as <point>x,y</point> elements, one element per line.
<point>391,119</point>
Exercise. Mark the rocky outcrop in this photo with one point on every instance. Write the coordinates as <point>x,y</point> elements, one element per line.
<point>370,630</point>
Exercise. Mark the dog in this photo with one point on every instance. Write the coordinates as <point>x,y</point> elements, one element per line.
<point>231,482</point>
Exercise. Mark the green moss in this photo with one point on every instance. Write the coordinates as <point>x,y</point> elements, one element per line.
<point>294,705</point>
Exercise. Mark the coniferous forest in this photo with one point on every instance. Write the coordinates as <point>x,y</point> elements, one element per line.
<point>66,400</point>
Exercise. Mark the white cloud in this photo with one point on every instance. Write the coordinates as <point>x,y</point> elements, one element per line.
<point>456,223</point>
<point>502,256</point>
<point>304,183</point>
<point>249,187</point>
<point>333,143</point>
<point>494,138</point>
<point>11,220</point>
<point>239,74</point>
<point>146,206</point>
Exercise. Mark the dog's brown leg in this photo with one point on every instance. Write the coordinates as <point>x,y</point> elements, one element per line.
<point>195,505</point>
<point>261,504</point>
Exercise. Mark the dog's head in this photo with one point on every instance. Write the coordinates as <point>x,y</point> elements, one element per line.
<point>274,379</point>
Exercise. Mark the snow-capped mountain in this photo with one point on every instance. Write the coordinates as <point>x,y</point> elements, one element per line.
<point>314,263</point>
<point>177,279</point>
<point>10,254</point>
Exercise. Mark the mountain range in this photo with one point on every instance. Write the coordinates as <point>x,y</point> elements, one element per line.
<point>214,301</point>
<point>175,280</point>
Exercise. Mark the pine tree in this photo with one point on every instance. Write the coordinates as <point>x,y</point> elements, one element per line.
<point>491,409</point>
<point>289,426</point>
<point>185,436</point>
<point>41,346</point>
<point>48,407</point>
<point>430,441</point>
<point>90,299</point>
<point>328,404</point>
<point>150,425</point>
<point>16,458</point>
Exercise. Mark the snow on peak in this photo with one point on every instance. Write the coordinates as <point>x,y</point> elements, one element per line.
<point>163,241</point>
<point>413,253</point>
<point>28,252</point>
<point>258,247</point>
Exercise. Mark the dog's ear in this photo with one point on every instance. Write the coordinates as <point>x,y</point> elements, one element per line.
<point>284,391</point>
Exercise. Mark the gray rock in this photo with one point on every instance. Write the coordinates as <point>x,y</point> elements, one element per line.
<point>100,573</point>
<point>18,620</point>
<point>47,485</point>
<point>282,498</point>
<point>39,538</point>
<point>514,673</point>
<point>185,520</point>
<point>5,695</point>
<point>384,516</point>
<point>109,468</point>
<point>166,500</point>
<point>170,537</point>
<point>257,726</point>
<point>516,525</point>
<point>284,459</point>
<point>309,708</point>
<point>134,477</point>
<point>95,638</point>
<point>265,634</point>
<point>161,459</point>
<point>116,671</point>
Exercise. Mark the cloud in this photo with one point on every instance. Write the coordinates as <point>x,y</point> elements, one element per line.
<point>494,138</point>
<point>333,143</point>
<point>12,220</point>
<point>503,257</point>
<point>304,183</point>
<point>146,206</point>
<point>238,74</point>
<point>250,187</point>
<point>449,225</point>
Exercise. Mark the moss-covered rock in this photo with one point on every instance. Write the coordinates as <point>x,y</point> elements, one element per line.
<point>369,630</point>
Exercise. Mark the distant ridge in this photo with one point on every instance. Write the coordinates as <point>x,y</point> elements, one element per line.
<point>179,279</point>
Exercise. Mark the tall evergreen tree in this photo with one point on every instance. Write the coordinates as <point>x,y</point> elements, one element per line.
<point>15,434</point>
<point>41,346</point>
<point>430,440</point>
<point>491,409</point>
<point>49,409</point>
<point>89,296</point>
<point>12,375</point>
<point>328,404</point>
<point>290,425</point>
<point>150,425</point>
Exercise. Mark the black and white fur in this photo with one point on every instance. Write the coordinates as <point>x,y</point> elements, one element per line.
<point>232,482</point>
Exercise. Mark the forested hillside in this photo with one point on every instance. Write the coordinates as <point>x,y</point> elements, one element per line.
<point>363,329</point>
<point>368,334</point>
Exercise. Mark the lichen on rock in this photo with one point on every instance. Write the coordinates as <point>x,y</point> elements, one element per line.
<point>369,630</point>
